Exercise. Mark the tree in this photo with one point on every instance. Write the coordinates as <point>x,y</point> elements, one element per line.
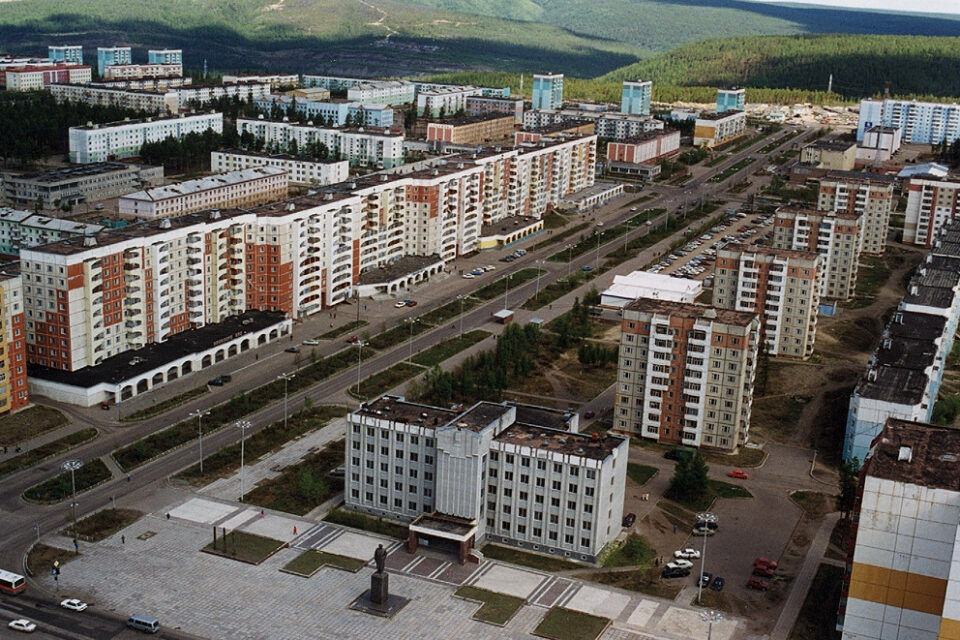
<point>689,481</point>
<point>848,481</point>
<point>311,485</point>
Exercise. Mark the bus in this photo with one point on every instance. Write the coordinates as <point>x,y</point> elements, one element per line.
<point>11,583</point>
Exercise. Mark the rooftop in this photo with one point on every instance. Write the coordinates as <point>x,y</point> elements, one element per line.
<point>649,135</point>
<point>399,410</point>
<point>814,213</point>
<point>278,156</point>
<point>479,416</point>
<point>764,250</point>
<point>861,178</point>
<point>468,120</point>
<point>713,115</point>
<point>122,123</point>
<point>534,416</point>
<point>507,225</point>
<point>916,453</point>
<point>205,184</point>
<point>558,127</point>
<point>916,326</point>
<point>437,91</point>
<point>831,145</point>
<point>947,242</point>
<point>448,524</point>
<point>563,442</point>
<point>401,267</point>
<point>933,282</point>
<point>894,384</point>
<point>72,172</point>
<point>691,310</point>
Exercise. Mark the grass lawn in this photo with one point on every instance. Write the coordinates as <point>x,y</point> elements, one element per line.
<point>29,423</point>
<point>527,559</point>
<point>103,524</point>
<point>342,331</point>
<point>309,562</point>
<point>646,581</point>
<point>497,608</point>
<point>59,487</point>
<point>566,624</point>
<point>746,458</point>
<point>817,504</point>
<point>32,457</point>
<point>818,615</point>
<point>633,552</point>
<point>640,473</point>
<point>554,220</point>
<point>440,352</point>
<point>873,273</point>
<point>367,523</point>
<point>398,334</point>
<point>715,489</point>
<point>303,486</point>
<point>166,405</point>
<point>777,416</point>
<point>245,547</point>
<point>497,288</point>
<point>449,310</point>
<point>379,383</point>
<point>41,558</point>
<point>677,515</point>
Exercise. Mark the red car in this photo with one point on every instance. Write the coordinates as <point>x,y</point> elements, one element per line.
<point>411,303</point>
<point>763,563</point>
<point>352,339</point>
<point>757,583</point>
<point>765,572</point>
<point>738,473</point>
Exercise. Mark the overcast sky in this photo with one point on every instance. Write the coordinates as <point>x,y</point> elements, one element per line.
<point>927,6</point>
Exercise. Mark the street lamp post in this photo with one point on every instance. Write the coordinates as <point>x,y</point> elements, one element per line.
<point>286,379</point>
<point>711,617</point>
<point>704,519</point>
<point>599,233</point>
<point>506,290</point>
<point>411,322</point>
<point>243,425</point>
<point>569,258</point>
<point>73,466</point>
<point>539,264</point>
<point>36,528</point>
<point>460,298</point>
<point>360,345</point>
<point>199,414</point>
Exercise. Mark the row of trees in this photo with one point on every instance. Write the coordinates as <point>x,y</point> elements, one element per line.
<point>949,153</point>
<point>189,153</point>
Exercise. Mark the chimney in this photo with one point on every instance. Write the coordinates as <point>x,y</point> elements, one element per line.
<point>215,214</point>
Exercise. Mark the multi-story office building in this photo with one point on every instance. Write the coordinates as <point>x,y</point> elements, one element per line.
<point>165,56</point>
<point>376,147</point>
<point>713,129</point>
<point>932,203</point>
<point>635,97</point>
<point>73,185</point>
<point>332,112</point>
<point>386,92</point>
<point>482,105</point>
<point>919,122</point>
<point>867,195</point>
<point>781,285</point>
<point>903,568</point>
<point>491,127</point>
<point>109,56</point>
<point>836,236</point>
<point>607,124</point>
<point>140,71</point>
<point>243,188</point>
<point>14,394</point>
<point>547,90</point>
<point>72,53</point>
<point>497,472</point>
<point>649,147</point>
<point>731,99</point>
<point>444,101</point>
<point>830,154</point>
<point>23,229</point>
<point>686,373</point>
<point>31,78</point>
<point>300,170</point>
<point>103,142</point>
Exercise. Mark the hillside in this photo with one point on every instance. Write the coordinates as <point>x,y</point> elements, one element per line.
<point>860,64</point>
<point>365,37</point>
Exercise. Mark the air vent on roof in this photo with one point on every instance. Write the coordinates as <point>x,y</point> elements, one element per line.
<point>872,375</point>
<point>291,206</point>
<point>215,214</point>
<point>89,241</point>
<point>436,172</point>
<point>923,271</point>
<point>948,457</point>
<point>165,223</point>
<point>261,117</point>
<point>579,449</point>
<point>459,165</point>
<point>327,195</point>
<point>423,415</point>
<point>384,178</point>
<point>905,455</point>
<point>898,318</point>
<point>353,185</point>
<point>914,290</point>
<point>887,343</point>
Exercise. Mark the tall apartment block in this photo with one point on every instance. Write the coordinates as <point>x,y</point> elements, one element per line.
<point>919,122</point>
<point>14,394</point>
<point>780,285</point>
<point>547,90</point>
<point>635,97</point>
<point>931,204</point>
<point>870,196</point>
<point>731,99</point>
<point>713,129</point>
<point>686,373</point>
<point>837,237</point>
<point>499,472</point>
<point>165,56</point>
<point>115,140</point>
<point>109,56</point>
<point>71,53</point>
<point>902,572</point>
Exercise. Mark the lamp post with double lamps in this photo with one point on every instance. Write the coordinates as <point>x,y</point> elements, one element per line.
<point>286,377</point>
<point>461,299</point>
<point>199,413</point>
<point>73,466</point>
<point>360,344</point>
<point>711,618</point>
<point>704,520</point>
<point>243,425</point>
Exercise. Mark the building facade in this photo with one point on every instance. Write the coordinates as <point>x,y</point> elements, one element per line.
<point>869,196</point>
<point>731,99</point>
<point>782,286</point>
<point>14,393</point>
<point>829,154</point>
<point>932,203</point>
<point>105,142</point>
<point>22,229</point>
<point>837,237</point>
<point>140,71</point>
<point>158,100</point>
<point>300,170</point>
<point>444,101</point>
<point>635,97</point>
<point>879,144</point>
<point>645,148</point>
<point>72,53</point>
<point>82,183</point>
<point>165,56</point>
<point>386,92</point>
<point>547,91</point>
<point>505,473</point>
<point>918,122</point>
<point>109,56</point>
<point>607,124</point>
<point>483,105</point>
<point>331,112</point>
<point>275,80</point>
<point>31,78</point>
<point>686,373</point>
<point>492,127</point>
<point>713,129</point>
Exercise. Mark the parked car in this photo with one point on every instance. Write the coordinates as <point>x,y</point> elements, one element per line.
<point>489,267</point>
<point>688,553</point>
<point>717,584</point>
<point>710,524</point>
<point>697,531</point>
<point>469,276</point>
<point>477,272</point>
<point>680,562</point>
<point>311,343</point>
<point>105,405</point>
<point>757,583</point>
<point>22,624</point>
<point>411,303</point>
<point>587,267</point>
<point>738,473</point>
<point>704,580</point>
<point>292,349</point>
<point>352,339</point>
<point>216,382</point>
<point>629,519</point>
<point>589,414</point>
<point>675,573</point>
<point>73,604</point>
<point>765,572</point>
<point>509,258</point>
<point>399,304</point>
<point>763,563</point>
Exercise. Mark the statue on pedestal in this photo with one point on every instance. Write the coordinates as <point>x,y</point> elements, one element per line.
<point>379,581</point>
<point>380,557</point>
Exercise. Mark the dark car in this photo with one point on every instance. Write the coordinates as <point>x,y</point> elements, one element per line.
<point>707,525</point>
<point>216,382</point>
<point>292,349</point>
<point>629,519</point>
<point>677,572</point>
<point>757,583</point>
<point>105,406</point>
<point>352,339</point>
<point>589,414</point>
<point>705,579</point>
<point>717,584</point>
<point>764,572</point>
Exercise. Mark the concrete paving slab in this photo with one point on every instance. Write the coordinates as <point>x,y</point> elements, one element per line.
<point>642,613</point>
<point>598,602</point>
<point>354,545</point>
<point>235,521</point>
<point>202,511</point>
<point>277,527</point>
<point>687,623</point>
<point>511,581</point>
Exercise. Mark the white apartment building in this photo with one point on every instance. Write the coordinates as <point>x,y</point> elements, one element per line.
<point>918,122</point>
<point>103,142</point>
<point>243,188</point>
<point>78,183</point>
<point>31,78</point>
<point>300,170</point>
<point>713,129</point>
<point>274,80</point>
<point>931,204</point>
<point>389,92</point>
<point>165,56</point>
<point>836,236</point>
<point>24,229</point>
<point>869,196</point>
<point>607,124</point>
<point>139,71</point>
<point>448,100</point>
<point>72,53</point>
<point>161,102</point>
<point>506,473</point>
<point>686,373</point>
<point>191,97</point>
<point>782,286</point>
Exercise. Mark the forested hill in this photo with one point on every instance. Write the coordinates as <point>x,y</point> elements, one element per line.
<point>921,66</point>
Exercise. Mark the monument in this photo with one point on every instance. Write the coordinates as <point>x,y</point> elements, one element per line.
<point>378,601</point>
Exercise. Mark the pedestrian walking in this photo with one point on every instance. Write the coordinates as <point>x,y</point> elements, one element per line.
<point>128,477</point>
<point>123,539</point>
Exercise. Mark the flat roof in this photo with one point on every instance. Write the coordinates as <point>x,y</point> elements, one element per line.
<point>479,416</point>
<point>447,524</point>
<point>74,171</point>
<point>507,225</point>
<point>647,136</point>
<point>815,213</point>
<point>831,145</point>
<point>205,184</point>
<point>916,453</point>
<point>278,156</point>
<point>562,442</point>
<point>120,123</point>
<point>861,177</point>
<point>934,281</point>
<point>468,120</point>
<point>916,326</point>
<point>401,267</point>
<point>713,115</point>
<point>399,410</point>
<point>893,384</point>
<point>765,250</point>
<point>692,310</point>
<point>535,416</point>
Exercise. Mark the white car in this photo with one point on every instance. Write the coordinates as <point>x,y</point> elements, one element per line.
<point>689,554</point>
<point>73,604</point>
<point>22,625</point>
<point>311,342</point>
<point>469,276</point>
<point>679,564</point>
<point>489,267</point>
<point>399,304</point>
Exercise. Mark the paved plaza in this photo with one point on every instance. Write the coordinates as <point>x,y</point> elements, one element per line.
<point>219,598</point>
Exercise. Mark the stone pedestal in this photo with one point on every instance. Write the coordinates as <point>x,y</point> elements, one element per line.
<point>378,601</point>
<point>379,588</point>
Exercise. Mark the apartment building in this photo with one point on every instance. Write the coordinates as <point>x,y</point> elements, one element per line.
<point>782,286</point>
<point>902,575</point>
<point>333,83</point>
<point>867,195</point>
<point>635,97</point>
<point>607,124</point>
<point>20,229</point>
<point>918,122</point>
<point>300,170</point>
<point>491,127</point>
<point>75,184</point>
<point>487,92</point>
<point>650,147</point>
<point>836,236</point>
<point>932,203</point>
<point>364,146</point>
<point>104,142</point>
<point>439,101</point>
<point>547,91</point>
<point>830,154</point>
<point>714,129</point>
<point>72,53</point>
<point>385,92</point>
<point>109,56</point>
<point>156,85</point>
<point>330,112</point>
<point>165,56</point>
<point>14,393</point>
<point>243,188</point>
<point>160,101</point>
<point>275,80</point>
<point>31,78</point>
<point>140,71</point>
<point>197,95</point>
<point>483,105</point>
<point>570,127</point>
<point>686,373</point>
<point>499,472</point>
<point>734,99</point>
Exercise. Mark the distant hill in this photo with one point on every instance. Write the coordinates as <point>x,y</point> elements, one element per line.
<point>860,64</point>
